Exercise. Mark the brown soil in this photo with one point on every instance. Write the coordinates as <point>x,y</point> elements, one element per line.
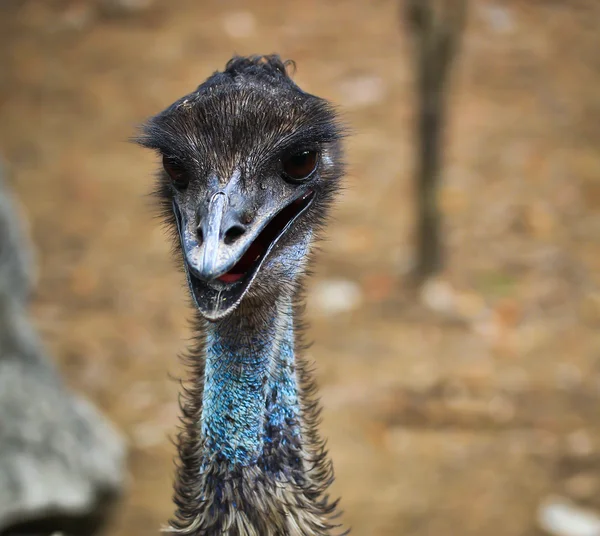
<point>457,420</point>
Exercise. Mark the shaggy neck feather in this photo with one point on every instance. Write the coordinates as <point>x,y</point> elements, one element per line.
<point>250,399</point>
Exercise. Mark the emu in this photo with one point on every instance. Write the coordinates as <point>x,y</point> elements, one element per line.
<point>250,167</point>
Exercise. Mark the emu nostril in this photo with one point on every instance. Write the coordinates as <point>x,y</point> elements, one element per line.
<point>233,233</point>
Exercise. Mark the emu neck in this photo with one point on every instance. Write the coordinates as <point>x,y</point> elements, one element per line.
<point>250,397</point>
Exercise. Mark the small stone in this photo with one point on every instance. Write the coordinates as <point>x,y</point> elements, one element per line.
<point>499,18</point>
<point>78,16</point>
<point>559,517</point>
<point>239,24</point>
<point>334,296</point>
<point>438,295</point>
<point>362,91</point>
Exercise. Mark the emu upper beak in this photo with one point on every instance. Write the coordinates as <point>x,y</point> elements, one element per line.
<point>223,253</point>
<point>219,250</point>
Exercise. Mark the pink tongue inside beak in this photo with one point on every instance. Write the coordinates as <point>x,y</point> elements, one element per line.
<point>244,265</point>
<point>230,278</point>
<point>261,244</point>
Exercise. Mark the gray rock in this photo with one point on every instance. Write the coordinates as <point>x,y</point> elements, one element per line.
<point>16,255</point>
<point>335,296</point>
<point>61,462</point>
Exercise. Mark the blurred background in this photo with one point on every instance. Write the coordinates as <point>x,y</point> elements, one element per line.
<point>468,405</point>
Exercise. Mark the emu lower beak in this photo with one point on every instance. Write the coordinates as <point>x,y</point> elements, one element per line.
<point>223,255</point>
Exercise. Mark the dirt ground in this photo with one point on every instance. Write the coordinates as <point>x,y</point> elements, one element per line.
<point>454,411</point>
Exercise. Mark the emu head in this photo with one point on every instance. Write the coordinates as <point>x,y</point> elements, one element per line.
<point>250,165</point>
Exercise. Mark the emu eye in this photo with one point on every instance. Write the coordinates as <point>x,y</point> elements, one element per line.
<point>301,165</point>
<point>176,173</point>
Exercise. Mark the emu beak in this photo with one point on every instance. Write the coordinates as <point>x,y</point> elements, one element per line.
<point>225,251</point>
<point>220,240</point>
<point>213,258</point>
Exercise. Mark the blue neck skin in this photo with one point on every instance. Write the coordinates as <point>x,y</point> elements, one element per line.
<point>250,391</point>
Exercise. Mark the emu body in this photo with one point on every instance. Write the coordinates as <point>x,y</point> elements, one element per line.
<point>251,164</point>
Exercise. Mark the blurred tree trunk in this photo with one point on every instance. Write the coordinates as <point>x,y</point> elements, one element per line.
<point>436,28</point>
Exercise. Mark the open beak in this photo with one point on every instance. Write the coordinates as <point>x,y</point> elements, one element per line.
<point>223,255</point>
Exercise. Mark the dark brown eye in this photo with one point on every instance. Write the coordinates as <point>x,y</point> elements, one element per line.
<point>176,173</point>
<point>301,165</point>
